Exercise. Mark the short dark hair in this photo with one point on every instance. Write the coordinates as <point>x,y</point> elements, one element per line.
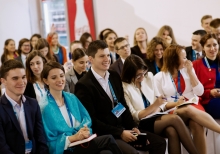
<point>95,46</point>
<point>215,23</point>
<point>10,65</point>
<point>131,65</point>
<point>48,67</point>
<point>30,75</point>
<point>118,40</point>
<point>101,36</point>
<point>200,32</point>
<point>205,17</point>
<point>77,54</point>
<point>84,38</point>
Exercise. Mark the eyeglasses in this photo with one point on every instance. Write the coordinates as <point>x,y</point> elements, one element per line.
<point>122,47</point>
<point>26,45</point>
<point>141,74</point>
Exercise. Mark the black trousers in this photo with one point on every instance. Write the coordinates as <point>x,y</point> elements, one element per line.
<point>100,145</point>
<point>157,145</point>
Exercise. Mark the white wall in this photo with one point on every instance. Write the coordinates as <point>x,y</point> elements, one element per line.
<point>124,16</point>
<point>21,18</point>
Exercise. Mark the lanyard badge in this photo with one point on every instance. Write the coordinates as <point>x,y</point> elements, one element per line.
<point>178,92</point>
<point>119,108</point>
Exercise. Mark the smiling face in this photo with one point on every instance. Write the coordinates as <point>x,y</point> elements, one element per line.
<point>15,82</point>
<point>26,48</point>
<point>195,42</point>
<point>140,74</point>
<point>211,48</point>
<point>101,61</point>
<point>80,64</point>
<point>182,58</point>
<point>55,79</point>
<point>158,52</point>
<point>36,65</point>
<point>54,40</point>
<point>10,46</point>
<point>206,24</point>
<point>34,41</point>
<point>110,40</point>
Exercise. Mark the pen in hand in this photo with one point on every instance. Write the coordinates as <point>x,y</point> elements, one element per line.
<point>162,97</point>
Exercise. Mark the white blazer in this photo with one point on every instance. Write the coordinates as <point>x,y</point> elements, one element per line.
<point>133,95</point>
<point>165,86</point>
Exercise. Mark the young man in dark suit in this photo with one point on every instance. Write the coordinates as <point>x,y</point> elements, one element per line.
<point>123,50</point>
<point>21,128</point>
<point>194,52</point>
<point>100,91</point>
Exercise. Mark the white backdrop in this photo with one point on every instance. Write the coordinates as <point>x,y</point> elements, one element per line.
<point>21,18</point>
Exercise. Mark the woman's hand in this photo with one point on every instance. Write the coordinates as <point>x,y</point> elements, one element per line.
<point>215,93</point>
<point>181,100</point>
<point>52,29</point>
<point>159,101</point>
<point>168,39</point>
<point>83,133</point>
<point>188,66</point>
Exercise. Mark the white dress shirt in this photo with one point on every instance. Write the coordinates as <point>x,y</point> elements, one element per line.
<point>123,60</point>
<point>103,82</point>
<point>39,92</point>
<point>23,58</point>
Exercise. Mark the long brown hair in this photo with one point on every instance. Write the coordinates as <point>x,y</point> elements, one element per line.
<point>6,52</point>
<point>30,75</point>
<point>171,60</point>
<point>170,30</point>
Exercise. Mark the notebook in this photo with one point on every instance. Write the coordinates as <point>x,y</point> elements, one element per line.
<point>83,141</point>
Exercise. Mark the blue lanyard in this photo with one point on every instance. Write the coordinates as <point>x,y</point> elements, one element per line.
<point>155,65</point>
<point>207,63</point>
<point>112,92</point>
<point>68,111</point>
<point>38,87</point>
<point>194,55</point>
<point>179,86</point>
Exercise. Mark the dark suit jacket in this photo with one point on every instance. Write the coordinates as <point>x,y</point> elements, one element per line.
<point>117,56</point>
<point>11,137</point>
<point>29,91</point>
<point>117,66</point>
<point>99,105</point>
<point>136,51</point>
<point>189,52</point>
<point>151,67</point>
<point>19,59</point>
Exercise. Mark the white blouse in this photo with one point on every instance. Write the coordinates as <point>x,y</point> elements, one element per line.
<point>165,86</point>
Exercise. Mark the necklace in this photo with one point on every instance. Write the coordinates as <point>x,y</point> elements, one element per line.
<point>62,103</point>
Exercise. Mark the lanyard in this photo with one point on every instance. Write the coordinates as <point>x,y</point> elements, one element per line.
<point>179,86</point>
<point>156,67</point>
<point>207,63</point>
<point>113,93</point>
<point>68,111</point>
<point>194,55</point>
<point>38,87</point>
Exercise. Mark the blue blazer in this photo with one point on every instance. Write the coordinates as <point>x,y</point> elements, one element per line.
<point>11,136</point>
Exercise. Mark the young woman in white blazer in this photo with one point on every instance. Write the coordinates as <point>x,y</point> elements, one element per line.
<point>176,80</point>
<point>140,96</point>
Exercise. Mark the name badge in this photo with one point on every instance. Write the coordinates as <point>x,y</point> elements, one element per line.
<point>28,146</point>
<point>118,110</point>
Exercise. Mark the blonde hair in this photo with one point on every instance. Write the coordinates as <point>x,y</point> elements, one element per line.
<point>170,30</point>
<point>135,41</point>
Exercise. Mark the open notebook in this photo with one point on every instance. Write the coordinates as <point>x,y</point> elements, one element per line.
<point>155,114</point>
<point>193,100</point>
<point>83,141</point>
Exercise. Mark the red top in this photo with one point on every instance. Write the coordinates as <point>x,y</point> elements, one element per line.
<point>207,77</point>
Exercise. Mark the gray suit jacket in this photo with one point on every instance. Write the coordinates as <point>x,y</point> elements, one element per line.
<point>71,81</point>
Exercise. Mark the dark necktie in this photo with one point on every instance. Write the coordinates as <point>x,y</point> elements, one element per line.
<point>198,56</point>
